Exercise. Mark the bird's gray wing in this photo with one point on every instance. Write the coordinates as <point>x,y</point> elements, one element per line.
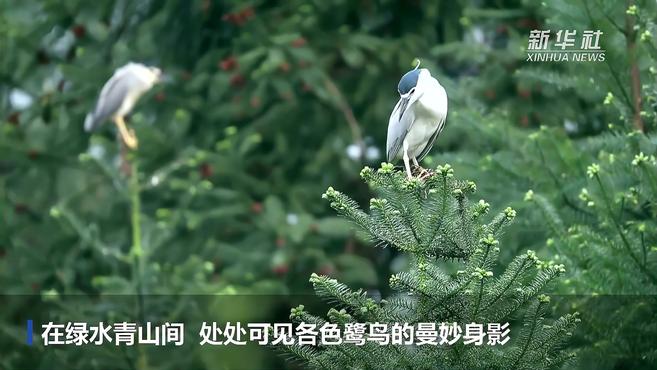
<point>110,100</point>
<point>432,139</point>
<point>398,128</point>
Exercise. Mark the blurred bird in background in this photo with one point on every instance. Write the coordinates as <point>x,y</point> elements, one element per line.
<point>418,117</point>
<point>119,96</point>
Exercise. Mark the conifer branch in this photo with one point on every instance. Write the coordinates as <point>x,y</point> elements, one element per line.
<point>619,230</point>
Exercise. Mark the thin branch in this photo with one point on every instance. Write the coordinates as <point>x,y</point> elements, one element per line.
<point>136,251</point>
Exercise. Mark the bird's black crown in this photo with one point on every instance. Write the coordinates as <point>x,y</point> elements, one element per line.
<point>408,81</point>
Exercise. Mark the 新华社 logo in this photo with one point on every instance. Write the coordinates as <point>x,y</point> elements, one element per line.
<point>568,46</point>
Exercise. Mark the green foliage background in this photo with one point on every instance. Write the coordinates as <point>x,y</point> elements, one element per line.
<point>270,103</point>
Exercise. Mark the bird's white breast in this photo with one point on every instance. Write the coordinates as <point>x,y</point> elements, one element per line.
<point>140,78</point>
<point>129,102</point>
<point>430,111</point>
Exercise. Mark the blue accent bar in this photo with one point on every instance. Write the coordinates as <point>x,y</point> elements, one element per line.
<point>28,340</point>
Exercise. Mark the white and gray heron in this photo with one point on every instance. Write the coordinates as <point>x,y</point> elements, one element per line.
<point>418,117</point>
<point>119,96</point>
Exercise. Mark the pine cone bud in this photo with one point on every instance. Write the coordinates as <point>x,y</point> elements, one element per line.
<point>489,241</point>
<point>509,213</point>
<point>366,173</point>
<point>445,170</point>
<point>296,312</point>
<point>593,170</point>
<point>386,168</point>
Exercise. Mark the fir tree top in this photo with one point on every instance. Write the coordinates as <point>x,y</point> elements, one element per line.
<point>432,220</point>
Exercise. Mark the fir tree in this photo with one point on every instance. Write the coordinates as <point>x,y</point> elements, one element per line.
<point>603,228</point>
<point>434,223</point>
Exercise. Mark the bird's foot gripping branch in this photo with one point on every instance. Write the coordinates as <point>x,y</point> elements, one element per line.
<point>456,307</point>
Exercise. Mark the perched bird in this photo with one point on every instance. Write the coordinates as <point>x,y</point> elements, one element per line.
<point>119,96</point>
<point>418,117</point>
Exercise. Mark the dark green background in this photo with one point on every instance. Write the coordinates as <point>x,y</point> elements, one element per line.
<point>265,103</point>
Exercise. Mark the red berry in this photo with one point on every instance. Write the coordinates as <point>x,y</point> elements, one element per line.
<point>233,18</point>
<point>206,170</point>
<point>248,12</point>
<point>490,94</point>
<point>79,31</point>
<point>33,154</point>
<point>160,97</point>
<point>237,80</point>
<point>255,102</point>
<point>14,118</point>
<point>501,29</point>
<point>228,64</point>
<point>524,93</point>
<point>297,43</point>
<point>280,242</point>
<point>239,18</point>
<point>256,207</point>
<point>284,67</point>
<point>523,22</point>
<point>524,120</point>
<point>529,23</point>
<point>280,270</point>
<point>20,208</point>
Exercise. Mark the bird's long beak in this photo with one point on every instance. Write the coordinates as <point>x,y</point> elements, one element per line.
<point>403,104</point>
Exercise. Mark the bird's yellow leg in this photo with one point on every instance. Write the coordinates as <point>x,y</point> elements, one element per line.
<point>128,136</point>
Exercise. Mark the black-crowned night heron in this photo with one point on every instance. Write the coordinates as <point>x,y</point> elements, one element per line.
<point>418,117</point>
<point>119,96</point>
